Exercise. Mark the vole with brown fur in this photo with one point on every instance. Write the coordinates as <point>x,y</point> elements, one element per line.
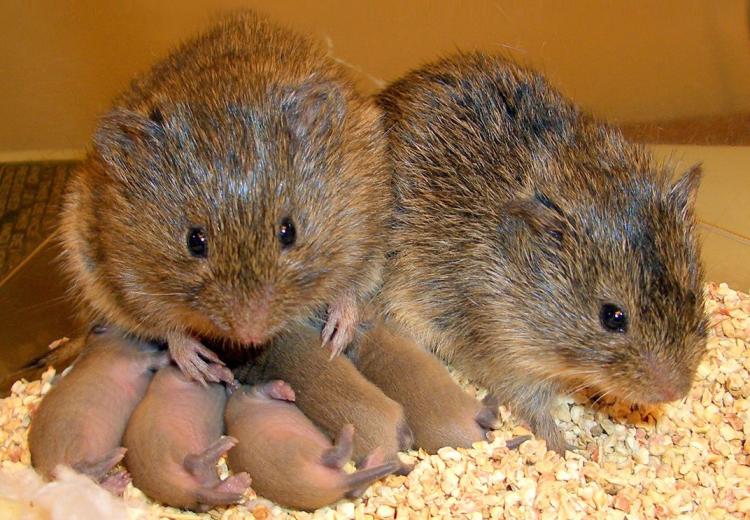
<point>290,460</point>
<point>81,421</point>
<point>332,393</point>
<point>174,440</point>
<point>534,248</point>
<point>235,188</point>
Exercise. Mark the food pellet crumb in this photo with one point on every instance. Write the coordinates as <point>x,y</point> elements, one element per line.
<point>690,458</point>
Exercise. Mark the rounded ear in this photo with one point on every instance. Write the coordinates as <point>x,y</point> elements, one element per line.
<point>685,191</point>
<point>123,133</point>
<point>540,215</point>
<point>314,109</point>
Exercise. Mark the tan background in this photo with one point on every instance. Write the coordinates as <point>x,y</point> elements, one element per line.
<point>626,60</point>
<point>61,61</point>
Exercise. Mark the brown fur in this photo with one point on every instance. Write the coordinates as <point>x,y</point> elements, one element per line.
<point>238,129</point>
<point>516,217</point>
<point>174,440</point>
<point>290,460</point>
<point>81,421</point>
<point>332,393</point>
<point>438,410</point>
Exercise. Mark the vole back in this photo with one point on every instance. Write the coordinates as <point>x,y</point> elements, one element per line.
<point>235,188</point>
<point>534,248</point>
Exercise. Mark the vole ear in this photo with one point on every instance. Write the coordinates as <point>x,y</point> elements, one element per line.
<point>314,109</point>
<point>685,190</point>
<point>542,216</point>
<point>122,133</point>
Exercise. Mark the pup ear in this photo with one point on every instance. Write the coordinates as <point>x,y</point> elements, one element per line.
<point>540,215</point>
<point>123,133</point>
<point>685,191</point>
<point>315,109</point>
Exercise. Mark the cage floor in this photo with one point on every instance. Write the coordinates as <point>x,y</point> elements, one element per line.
<point>30,197</point>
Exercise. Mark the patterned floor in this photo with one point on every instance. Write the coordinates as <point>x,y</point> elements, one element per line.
<point>30,196</point>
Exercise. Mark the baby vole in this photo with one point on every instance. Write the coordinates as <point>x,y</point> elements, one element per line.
<point>533,247</point>
<point>333,393</point>
<point>290,460</point>
<point>81,421</point>
<point>236,187</point>
<point>438,410</point>
<point>174,440</point>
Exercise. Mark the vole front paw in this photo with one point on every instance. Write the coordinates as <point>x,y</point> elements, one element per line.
<point>338,332</point>
<point>198,362</point>
<point>545,428</point>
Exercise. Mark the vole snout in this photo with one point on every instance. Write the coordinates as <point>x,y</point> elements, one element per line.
<point>663,383</point>
<point>251,318</point>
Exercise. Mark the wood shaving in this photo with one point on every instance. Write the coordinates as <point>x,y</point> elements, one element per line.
<point>690,458</point>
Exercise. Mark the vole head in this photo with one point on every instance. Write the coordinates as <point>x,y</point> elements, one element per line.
<point>230,218</point>
<point>610,280</point>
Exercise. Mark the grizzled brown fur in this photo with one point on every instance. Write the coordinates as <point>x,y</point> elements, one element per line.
<point>517,218</point>
<point>239,129</point>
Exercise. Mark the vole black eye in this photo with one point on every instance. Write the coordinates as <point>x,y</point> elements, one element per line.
<point>287,233</point>
<point>197,243</point>
<point>613,318</point>
<point>156,116</point>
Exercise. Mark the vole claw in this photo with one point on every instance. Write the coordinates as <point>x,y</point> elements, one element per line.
<point>191,356</point>
<point>341,325</point>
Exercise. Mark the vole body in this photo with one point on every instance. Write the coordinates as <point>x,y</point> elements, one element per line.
<point>437,409</point>
<point>235,188</point>
<point>174,439</point>
<point>81,421</point>
<point>535,249</point>
<point>289,459</point>
<point>332,393</point>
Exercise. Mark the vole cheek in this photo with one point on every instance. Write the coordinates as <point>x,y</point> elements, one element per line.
<point>200,321</point>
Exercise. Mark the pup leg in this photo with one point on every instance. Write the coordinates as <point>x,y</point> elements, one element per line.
<point>228,491</point>
<point>333,393</point>
<point>99,468</point>
<point>438,410</point>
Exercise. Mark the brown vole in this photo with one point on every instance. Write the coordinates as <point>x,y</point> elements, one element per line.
<point>174,439</point>
<point>81,421</point>
<point>236,187</point>
<point>438,410</point>
<point>332,393</point>
<point>533,247</point>
<point>290,460</point>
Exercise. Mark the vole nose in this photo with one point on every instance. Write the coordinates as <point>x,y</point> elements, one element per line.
<point>252,325</point>
<point>251,334</point>
<point>251,320</point>
<point>667,393</point>
<point>665,384</point>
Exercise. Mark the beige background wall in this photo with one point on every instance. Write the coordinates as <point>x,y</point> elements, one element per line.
<point>628,60</point>
<point>61,61</point>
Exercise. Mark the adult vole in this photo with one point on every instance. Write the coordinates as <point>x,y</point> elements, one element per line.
<point>533,247</point>
<point>235,188</point>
